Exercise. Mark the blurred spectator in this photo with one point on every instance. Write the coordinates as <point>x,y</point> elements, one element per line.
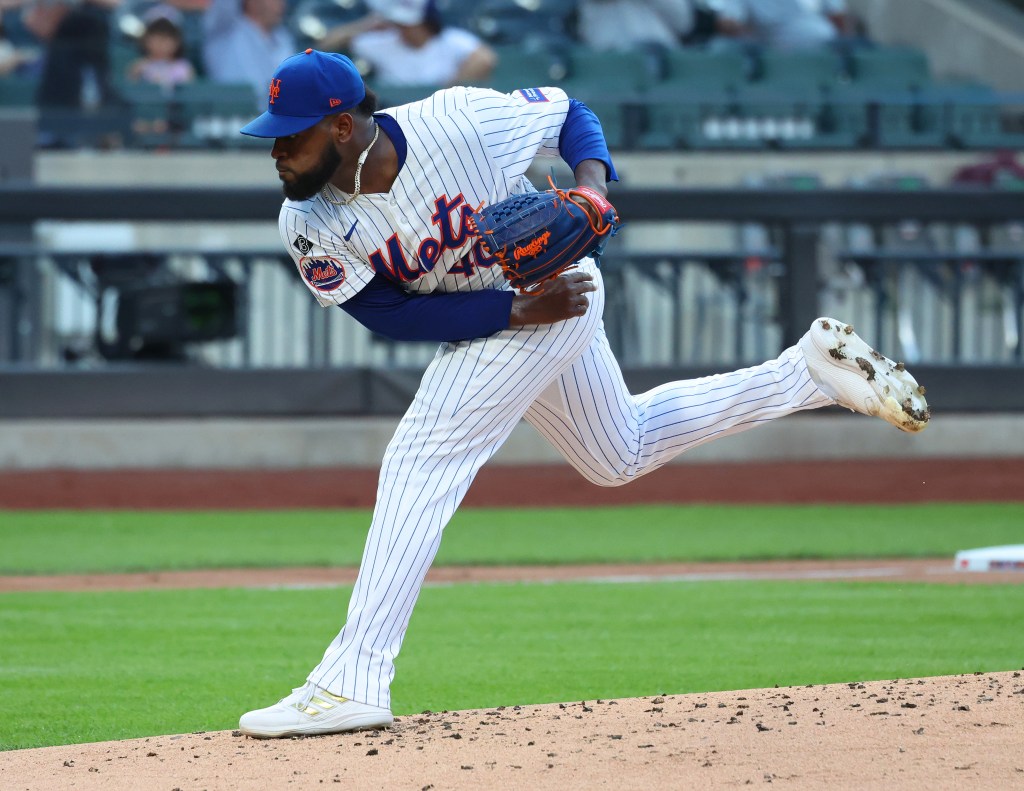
<point>624,24</point>
<point>1000,169</point>
<point>14,58</point>
<point>163,60</point>
<point>76,64</point>
<point>836,12</point>
<point>9,57</point>
<point>244,41</point>
<point>406,43</point>
<point>781,24</point>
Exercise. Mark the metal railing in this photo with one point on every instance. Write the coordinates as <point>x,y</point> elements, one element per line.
<point>699,280</point>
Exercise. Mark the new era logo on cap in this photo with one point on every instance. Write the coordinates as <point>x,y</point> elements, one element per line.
<point>304,89</point>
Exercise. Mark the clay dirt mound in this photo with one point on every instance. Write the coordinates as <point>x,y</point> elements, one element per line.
<point>932,733</point>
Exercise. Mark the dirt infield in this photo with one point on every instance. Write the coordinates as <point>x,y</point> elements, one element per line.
<point>935,733</point>
<point>884,570</point>
<point>878,481</point>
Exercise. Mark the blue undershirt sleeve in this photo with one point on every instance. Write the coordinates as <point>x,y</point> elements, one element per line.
<point>384,308</point>
<point>582,138</point>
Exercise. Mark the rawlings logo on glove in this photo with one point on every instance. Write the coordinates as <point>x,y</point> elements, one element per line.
<point>532,249</point>
<point>537,236</point>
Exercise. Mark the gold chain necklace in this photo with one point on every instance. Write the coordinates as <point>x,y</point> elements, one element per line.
<point>359,170</point>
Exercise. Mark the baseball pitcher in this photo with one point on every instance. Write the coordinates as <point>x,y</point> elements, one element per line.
<point>418,221</point>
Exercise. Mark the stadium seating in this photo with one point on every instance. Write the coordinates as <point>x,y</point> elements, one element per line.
<point>648,98</point>
<point>800,70</point>
<point>694,98</point>
<point>909,122</point>
<point>207,114</point>
<point>882,69</point>
<point>521,68</point>
<point>699,70</point>
<point>889,81</point>
<point>594,73</point>
<point>150,111</point>
<point>977,117</point>
<point>17,92</point>
<point>610,83</point>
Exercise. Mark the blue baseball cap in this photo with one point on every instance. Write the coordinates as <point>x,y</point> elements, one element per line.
<point>305,88</point>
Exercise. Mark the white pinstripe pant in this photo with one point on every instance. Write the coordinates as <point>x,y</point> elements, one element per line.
<point>565,381</point>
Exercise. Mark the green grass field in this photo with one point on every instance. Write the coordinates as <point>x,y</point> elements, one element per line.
<point>90,667</point>
<point>78,667</point>
<point>70,541</point>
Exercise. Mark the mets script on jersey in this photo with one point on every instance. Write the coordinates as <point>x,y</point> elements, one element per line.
<point>417,234</point>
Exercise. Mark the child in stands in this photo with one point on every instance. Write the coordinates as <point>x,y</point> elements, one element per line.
<point>163,60</point>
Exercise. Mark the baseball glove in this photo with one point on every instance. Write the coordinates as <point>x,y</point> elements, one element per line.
<point>538,235</point>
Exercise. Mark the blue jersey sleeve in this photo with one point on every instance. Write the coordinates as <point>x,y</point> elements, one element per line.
<point>382,307</point>
<point>582,138</point>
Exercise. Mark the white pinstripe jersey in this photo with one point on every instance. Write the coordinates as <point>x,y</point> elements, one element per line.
<point>466,146</point>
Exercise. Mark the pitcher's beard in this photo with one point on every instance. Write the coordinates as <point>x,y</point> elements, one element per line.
<point>304,186</point>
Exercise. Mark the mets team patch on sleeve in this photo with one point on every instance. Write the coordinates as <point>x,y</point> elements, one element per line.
<point>324,274</point>
<point>533,94</point>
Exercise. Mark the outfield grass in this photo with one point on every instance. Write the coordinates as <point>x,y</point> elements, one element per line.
<point>78,667</point>
<point>72,541</point>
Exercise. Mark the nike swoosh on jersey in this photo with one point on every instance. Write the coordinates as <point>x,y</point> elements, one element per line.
<point>351,230</point>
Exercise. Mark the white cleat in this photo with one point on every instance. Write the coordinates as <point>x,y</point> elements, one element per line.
<point>857,377</point>
<point>311,710</point>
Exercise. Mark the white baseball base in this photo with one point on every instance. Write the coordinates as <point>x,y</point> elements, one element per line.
<point>1008,558</point>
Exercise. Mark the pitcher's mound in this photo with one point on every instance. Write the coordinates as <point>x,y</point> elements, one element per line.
<point>913,733</point>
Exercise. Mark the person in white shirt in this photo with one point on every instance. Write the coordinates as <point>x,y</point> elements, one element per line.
<point>406,43</point>
<point>244,40</point>
<point>624,24</point>
<point>781,24</point>
<point>848,24</point>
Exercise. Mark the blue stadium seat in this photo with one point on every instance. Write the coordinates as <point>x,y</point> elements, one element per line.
<point>889,69</point>
<point>693,104</point>
<point>521,68</point>
<point>599,74</point>
<point>838,124</point>
<point>910,122</point>
<point>788,102</point>
<point>800,70</point>
<point>693,70</point>
<point>980,118</point>
<point>779,117</point>
<point>17,92</point>
<point>611,84</point>
<point>208,113</point>
<point>149,108</point>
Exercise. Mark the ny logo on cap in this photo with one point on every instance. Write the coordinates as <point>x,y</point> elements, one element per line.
<point>275,90</point>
